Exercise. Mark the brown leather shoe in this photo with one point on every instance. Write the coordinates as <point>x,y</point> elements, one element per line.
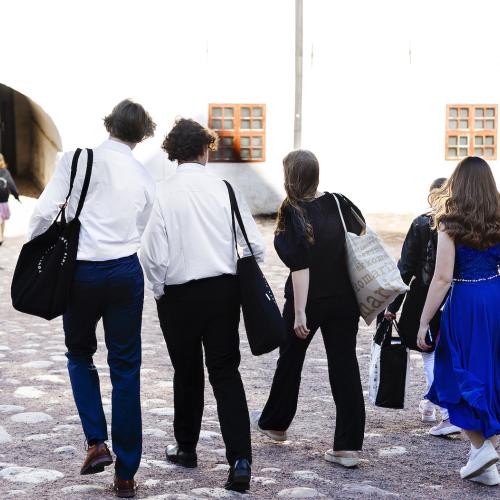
<point>98,457</point>
<point>124,488</point>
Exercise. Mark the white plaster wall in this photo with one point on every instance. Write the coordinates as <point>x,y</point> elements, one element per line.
<point>173,57</point>
<point>377,121</point>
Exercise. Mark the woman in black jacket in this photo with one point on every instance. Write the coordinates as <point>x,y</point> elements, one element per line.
<point>417,262</point>
<point>309,240</point>
<point>7,188</point>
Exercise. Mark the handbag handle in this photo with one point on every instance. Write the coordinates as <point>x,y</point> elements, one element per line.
<point>236,211</point>
<point>86,182</point>
<point>85,187</point>
<point>358,218</point>
<point>396,327</point>
<point>74,166</point>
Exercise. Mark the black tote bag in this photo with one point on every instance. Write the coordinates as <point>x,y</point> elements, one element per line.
<point>388,367</point>
<point>46,265</point>
<point>263,321</point>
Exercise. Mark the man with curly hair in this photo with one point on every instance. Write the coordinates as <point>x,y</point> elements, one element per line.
<point>189,258</point>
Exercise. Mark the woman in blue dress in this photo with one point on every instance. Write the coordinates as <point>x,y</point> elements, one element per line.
<point>467,364</point>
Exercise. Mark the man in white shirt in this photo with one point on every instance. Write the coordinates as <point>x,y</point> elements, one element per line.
<point>189,257</point>
<point>108,284</point>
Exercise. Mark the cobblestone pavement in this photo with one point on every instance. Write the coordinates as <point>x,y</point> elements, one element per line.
<point>42,445</point>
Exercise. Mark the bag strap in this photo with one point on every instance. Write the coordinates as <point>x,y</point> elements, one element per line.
<point>396,327</point>
<point>340,212</point>
<point>85,187</point>
<point>74,167</point>
<point>86,182</point>
<point>358,218</point>
<point>235,211</point>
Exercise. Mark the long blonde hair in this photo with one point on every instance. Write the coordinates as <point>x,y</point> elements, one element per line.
<point>301,171</point>
<point>468,205</point>
<point>3,163</point>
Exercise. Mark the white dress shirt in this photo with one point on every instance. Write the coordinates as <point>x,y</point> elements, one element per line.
<point>117,207</point>
<point>189,235</point>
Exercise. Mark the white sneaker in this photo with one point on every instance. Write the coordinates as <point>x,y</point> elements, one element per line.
<point>479,460</point>
<point>274,435</point>
<point>489,477</point>
<point>445,428</point>
<point>351,461</point>
<point>427,411</point>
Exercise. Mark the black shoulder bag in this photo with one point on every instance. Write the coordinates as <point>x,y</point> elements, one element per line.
<point>45,268</point>
<point>263,321</point>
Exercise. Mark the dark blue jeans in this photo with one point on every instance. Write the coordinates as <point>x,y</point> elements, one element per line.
<point>114,291</point>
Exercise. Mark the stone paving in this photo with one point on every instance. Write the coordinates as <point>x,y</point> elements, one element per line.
<point>42,444</point>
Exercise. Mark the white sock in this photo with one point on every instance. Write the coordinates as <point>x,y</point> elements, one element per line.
<point>428,361</point>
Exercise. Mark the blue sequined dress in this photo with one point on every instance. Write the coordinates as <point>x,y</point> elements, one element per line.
<point>467,363</point>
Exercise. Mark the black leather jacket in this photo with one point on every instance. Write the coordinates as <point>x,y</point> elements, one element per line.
<point>418,256</point>
<point>11,186</point>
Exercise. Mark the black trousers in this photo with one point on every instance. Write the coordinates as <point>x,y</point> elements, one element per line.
<point>206,313</point>
<point>339,331</point>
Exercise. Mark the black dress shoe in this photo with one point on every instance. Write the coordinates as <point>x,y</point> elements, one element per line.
<point>239,476</point>
<point>187,459</point>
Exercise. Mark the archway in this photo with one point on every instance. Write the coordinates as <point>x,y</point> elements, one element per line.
<point>29,140</point>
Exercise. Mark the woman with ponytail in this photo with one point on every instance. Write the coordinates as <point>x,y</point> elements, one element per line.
<point>309,240</point>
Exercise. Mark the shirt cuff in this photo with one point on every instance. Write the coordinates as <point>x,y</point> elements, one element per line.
<point>159,291</point>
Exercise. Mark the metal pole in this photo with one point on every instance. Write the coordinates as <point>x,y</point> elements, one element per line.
<point>299,46</point>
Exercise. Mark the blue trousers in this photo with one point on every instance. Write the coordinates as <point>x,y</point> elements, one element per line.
<point>114,291</point>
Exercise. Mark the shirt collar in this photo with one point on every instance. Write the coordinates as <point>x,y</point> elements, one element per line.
<point>191,167</point>
<point>116,146</point>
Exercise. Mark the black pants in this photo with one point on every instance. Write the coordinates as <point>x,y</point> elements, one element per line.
<point>206,313</point>
<point>339,331</point>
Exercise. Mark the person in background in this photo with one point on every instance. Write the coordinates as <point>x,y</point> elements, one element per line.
<point>309,239</point>
<point>108,285</point>
<point>189,258</point>
<point>466,211</point>
<point>417,262</point>
<point>7,188</point>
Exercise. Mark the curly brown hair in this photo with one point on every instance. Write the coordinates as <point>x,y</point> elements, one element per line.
<point>301,170</point>
<point>129,122</point>
<point>468,205</point>
<point>188,140</point>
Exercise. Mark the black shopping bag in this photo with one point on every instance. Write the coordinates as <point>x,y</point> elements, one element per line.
<point>389,367</point>
<point>46,265</point>
<point>263,321</point>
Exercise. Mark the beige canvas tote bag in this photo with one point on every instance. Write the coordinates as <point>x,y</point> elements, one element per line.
<point>373,272</point>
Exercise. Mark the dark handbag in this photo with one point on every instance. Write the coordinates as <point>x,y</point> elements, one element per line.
<point>45,268</point>
<point>263,321</point>
<point>409,321</point>
<point>388,367</point>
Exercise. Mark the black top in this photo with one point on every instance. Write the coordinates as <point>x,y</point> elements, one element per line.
<point>326,257</point>
<point>8,181</point>
<point>418,256</point>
